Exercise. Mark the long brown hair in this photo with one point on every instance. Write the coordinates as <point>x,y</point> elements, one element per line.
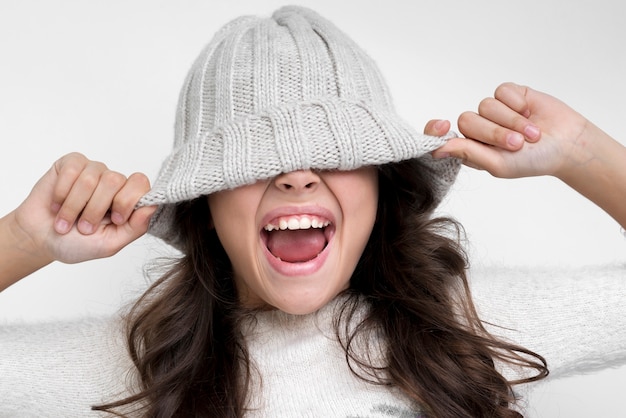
<point>184,332</point>
<point>413,273</point>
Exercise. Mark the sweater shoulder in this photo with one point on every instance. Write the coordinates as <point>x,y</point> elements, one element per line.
<point>574,317</point>
<point>62,368</point>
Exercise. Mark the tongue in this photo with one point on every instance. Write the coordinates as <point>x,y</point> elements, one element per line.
<point>298,245</point>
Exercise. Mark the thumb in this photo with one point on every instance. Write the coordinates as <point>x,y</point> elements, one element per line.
<point>119,236</point>
<point>139,221</point>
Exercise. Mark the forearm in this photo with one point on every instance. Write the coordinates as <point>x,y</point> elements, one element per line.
<point>598,172</point>
<point>18,257</point>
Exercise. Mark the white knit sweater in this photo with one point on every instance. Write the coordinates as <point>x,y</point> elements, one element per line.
<point>576,319</point>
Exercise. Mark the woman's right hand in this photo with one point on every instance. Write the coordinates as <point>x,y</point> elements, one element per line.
<point>80,210</point>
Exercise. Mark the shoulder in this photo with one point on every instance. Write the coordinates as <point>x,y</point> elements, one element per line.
<point>574,317</point>
<point>61,367</point>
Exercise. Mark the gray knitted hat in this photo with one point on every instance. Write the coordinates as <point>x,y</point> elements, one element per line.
<point>274,95</point>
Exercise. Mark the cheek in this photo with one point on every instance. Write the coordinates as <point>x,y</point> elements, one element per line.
<point>361,197</point>
<point>357,193</point>
<point>232,217</point>
<point>365,210</point>
<point>234,247</point>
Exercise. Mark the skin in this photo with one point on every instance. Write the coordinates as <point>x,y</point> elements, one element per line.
<point>348,198</point>
<point>522,132</point>
<point>79,210</point>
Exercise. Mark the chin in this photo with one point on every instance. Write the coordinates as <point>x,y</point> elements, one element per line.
<point>303,304</point>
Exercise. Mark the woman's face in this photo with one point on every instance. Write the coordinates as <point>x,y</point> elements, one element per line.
<point>294,241</point>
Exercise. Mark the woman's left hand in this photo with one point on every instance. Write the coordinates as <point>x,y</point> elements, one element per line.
<point>519,132</point>
<point>522,132</point>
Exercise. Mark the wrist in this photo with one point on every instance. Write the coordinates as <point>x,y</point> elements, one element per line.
<point>595,168</point>
<point>19,254</point>
<point>593,153</point>
<point>579,154</point>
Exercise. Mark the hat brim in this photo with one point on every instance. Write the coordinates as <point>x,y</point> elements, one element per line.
<point>332,134</point>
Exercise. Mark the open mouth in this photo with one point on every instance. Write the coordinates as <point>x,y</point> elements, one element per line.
<point>297,238</point>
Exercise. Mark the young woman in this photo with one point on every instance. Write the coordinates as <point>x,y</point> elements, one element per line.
<point>314,279</point>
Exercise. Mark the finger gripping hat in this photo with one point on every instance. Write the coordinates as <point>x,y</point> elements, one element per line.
<point>273,95</point>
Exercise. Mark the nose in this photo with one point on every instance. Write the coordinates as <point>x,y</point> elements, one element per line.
<point>297,181</point>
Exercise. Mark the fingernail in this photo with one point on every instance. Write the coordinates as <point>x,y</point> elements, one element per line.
<point>117,218</point>
<point>439,124</point>
<point>61,226</point>
<point>514,140</point>
<point>532,132</point>
<point>85,227</point>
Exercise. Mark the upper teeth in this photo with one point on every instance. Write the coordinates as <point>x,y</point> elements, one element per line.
<point>297,222</point>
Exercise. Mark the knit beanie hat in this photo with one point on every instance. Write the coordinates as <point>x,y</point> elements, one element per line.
<point>272,95</point>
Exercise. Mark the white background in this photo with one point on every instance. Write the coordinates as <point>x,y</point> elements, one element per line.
<point>102,78</point>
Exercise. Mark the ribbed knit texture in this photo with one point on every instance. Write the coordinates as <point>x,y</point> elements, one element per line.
<point>274,95</point>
